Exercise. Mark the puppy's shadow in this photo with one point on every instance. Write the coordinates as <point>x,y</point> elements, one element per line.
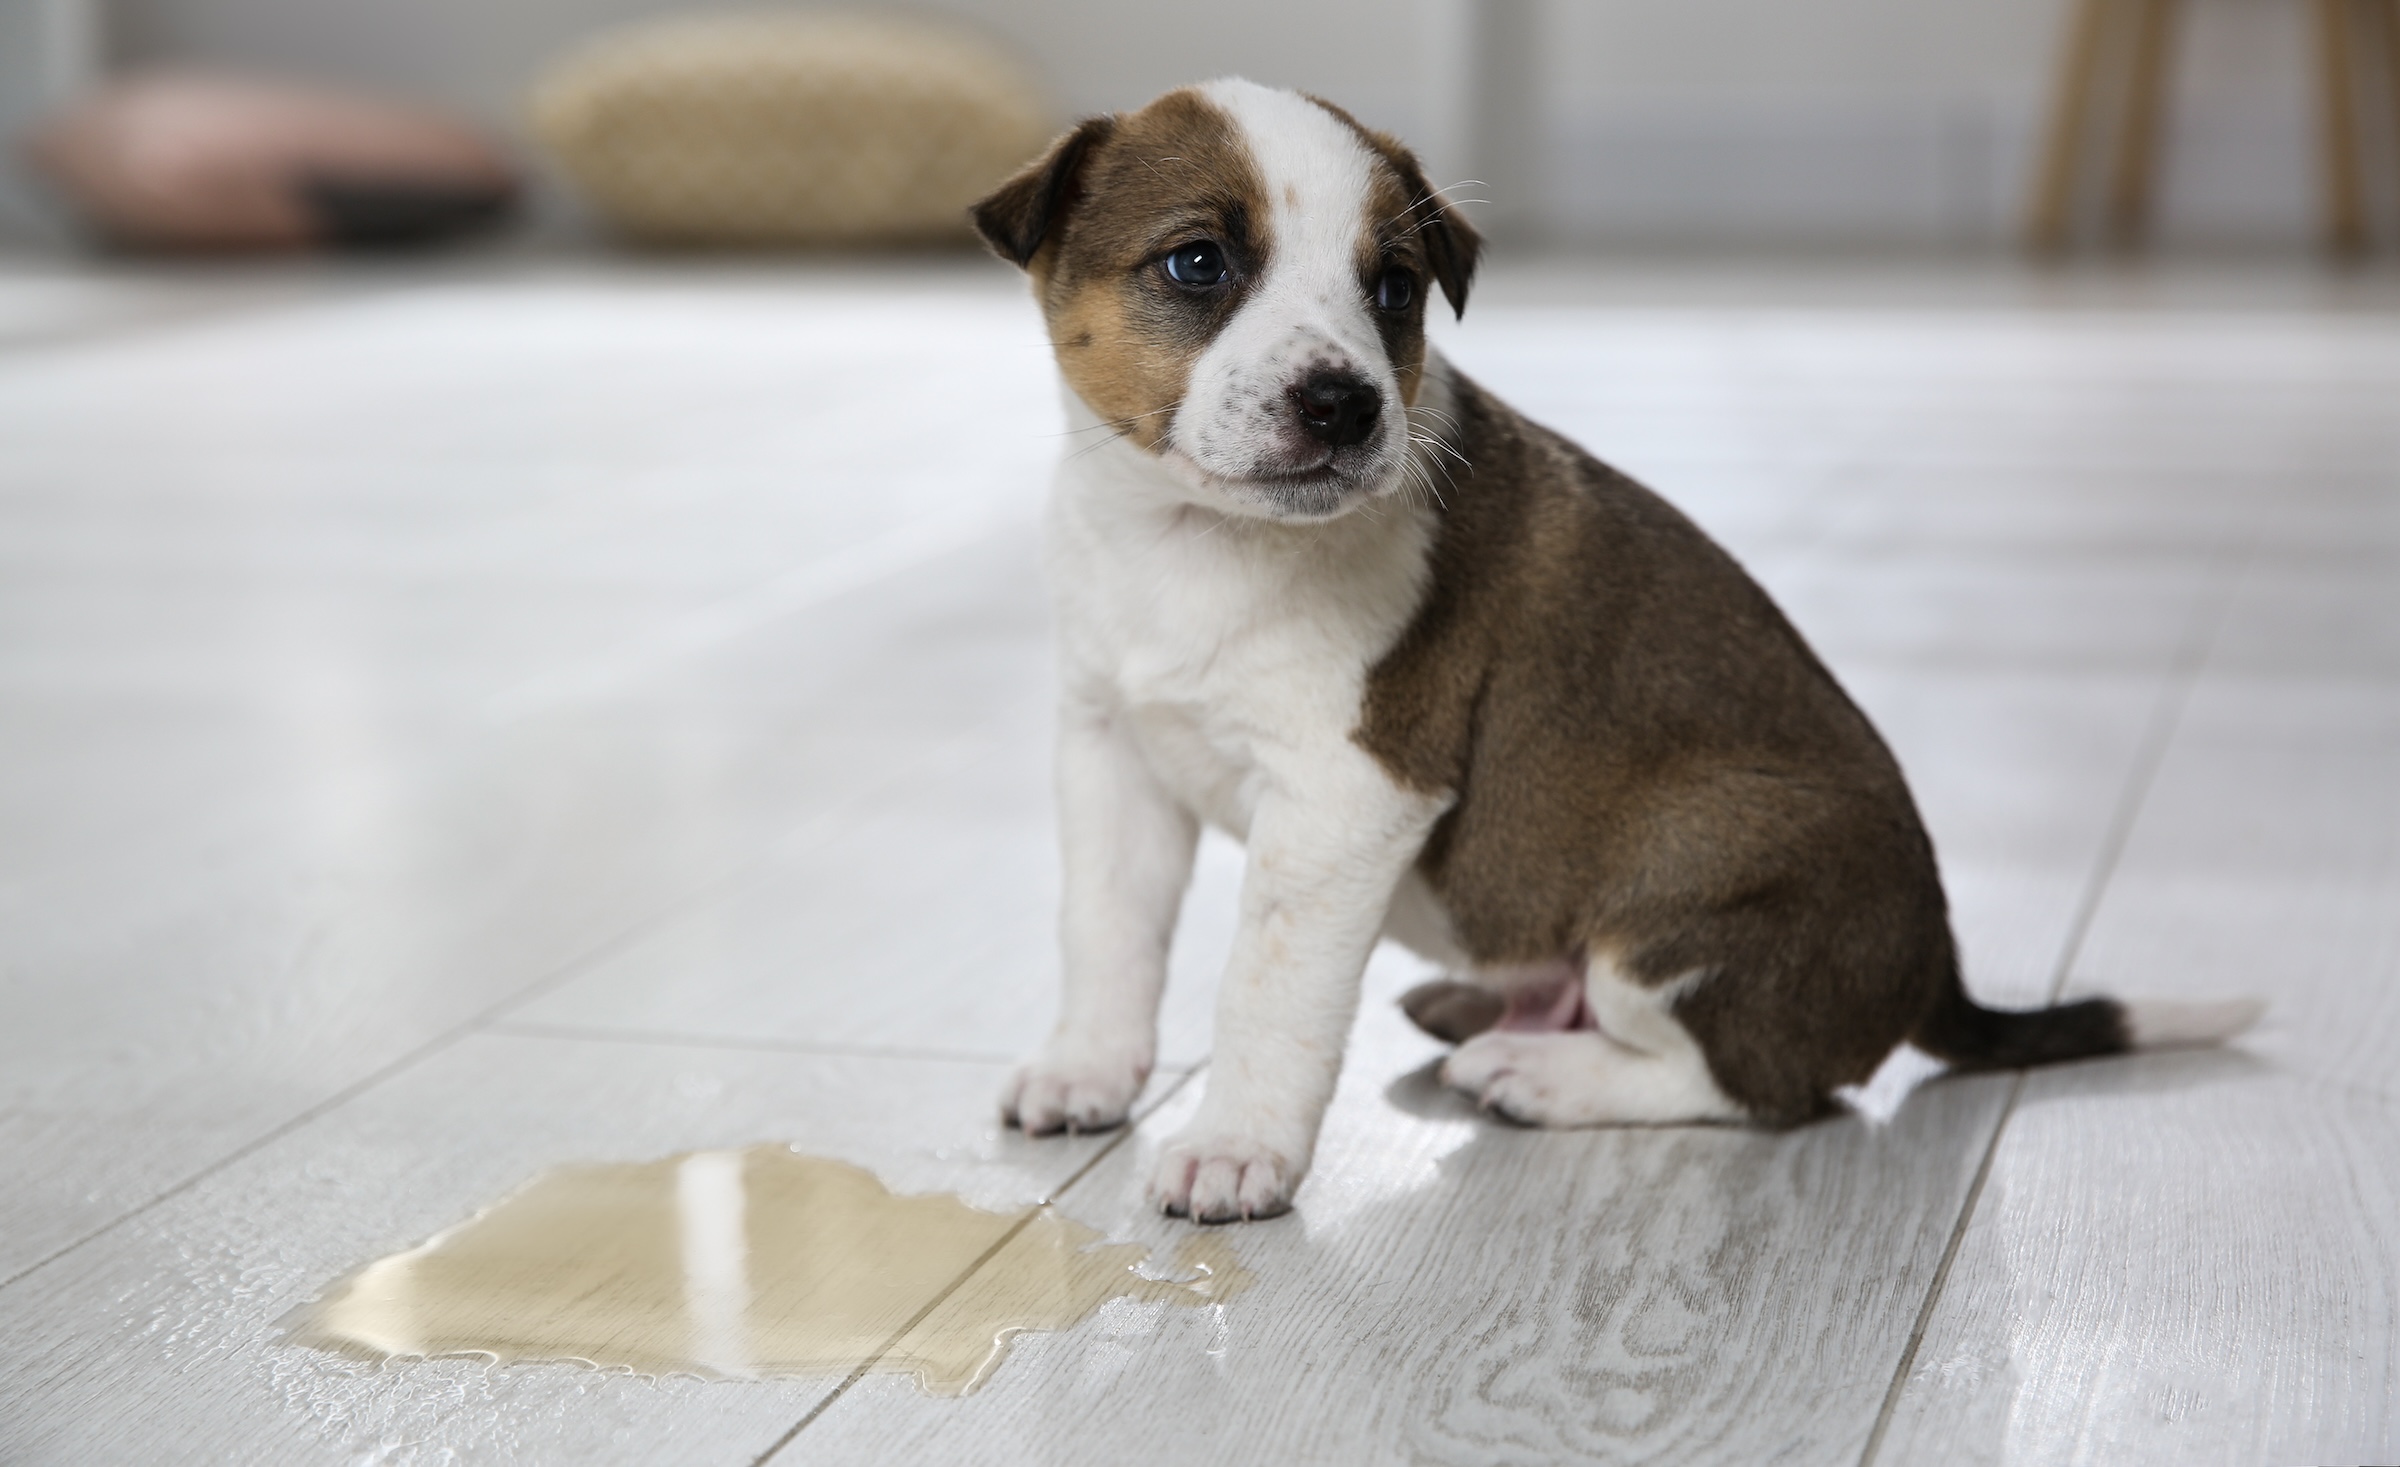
<point>1421,1093</point>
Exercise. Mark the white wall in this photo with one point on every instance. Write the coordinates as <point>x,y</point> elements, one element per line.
<point>1836,122</point>
<point>1652,123</point>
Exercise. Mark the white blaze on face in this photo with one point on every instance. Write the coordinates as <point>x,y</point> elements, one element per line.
<point>1307,312</point>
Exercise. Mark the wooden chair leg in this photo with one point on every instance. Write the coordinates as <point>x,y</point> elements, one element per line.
<point>2345,203</point>
<point>2391,84</point>
<point>2047,223</point>
<point>2134,184</point>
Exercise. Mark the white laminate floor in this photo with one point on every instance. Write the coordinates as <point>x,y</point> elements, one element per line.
<point>458,722</point>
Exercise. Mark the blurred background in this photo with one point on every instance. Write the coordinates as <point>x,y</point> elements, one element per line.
<point>1716,125</point>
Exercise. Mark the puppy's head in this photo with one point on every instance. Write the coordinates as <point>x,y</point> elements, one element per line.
<point>1236,281</point>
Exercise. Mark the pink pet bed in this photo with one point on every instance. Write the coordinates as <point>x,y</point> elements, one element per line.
<point>197,162</point>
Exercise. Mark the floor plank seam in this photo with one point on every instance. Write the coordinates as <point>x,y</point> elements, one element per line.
<point>672,1039</point>
<point>388,1071</point>
<point>1132,1124</point>
<point>833,1049</point>
<point>727,882</point>
<point>858,1374</point>
<point>1941,1276</point>
<point>2166,716</point>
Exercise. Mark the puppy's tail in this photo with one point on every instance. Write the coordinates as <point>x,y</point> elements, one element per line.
<point>1972,1037</point>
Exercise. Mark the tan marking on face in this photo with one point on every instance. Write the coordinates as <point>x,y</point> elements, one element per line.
<point>1126,337</point>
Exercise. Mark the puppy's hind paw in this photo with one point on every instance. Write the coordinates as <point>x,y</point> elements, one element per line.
<point>1073,1088</point>
<point>1525,1078</point>
<point>1579,1078</point>
<point>1220,1179</point>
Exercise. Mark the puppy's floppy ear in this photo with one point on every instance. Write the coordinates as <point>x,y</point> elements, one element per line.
<point>1451,247</point>
<point>1018,215</point>
<point>1451,243</point>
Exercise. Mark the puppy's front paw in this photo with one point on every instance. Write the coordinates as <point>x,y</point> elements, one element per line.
<point>1074,1087</point>
<point>1223,1178</point>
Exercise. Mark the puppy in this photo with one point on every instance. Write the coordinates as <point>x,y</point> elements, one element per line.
<point>1447,677</point>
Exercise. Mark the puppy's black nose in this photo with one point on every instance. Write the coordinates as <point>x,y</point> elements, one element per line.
<point>1337,408</point>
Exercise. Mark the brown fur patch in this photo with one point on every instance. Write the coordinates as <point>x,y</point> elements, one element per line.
<point>1649,760</point>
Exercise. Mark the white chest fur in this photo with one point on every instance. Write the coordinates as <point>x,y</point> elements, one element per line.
<point>1234,652</point>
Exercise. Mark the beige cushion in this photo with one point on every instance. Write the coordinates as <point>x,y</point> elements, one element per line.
<point>794,128</point>
<point>193,161</point>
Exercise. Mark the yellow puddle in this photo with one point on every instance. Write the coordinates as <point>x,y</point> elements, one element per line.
<point>747,1263</point>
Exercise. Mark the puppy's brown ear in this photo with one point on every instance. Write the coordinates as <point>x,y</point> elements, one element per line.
<point>1451,243</point>
<point>1018,215</point>
<point>1451,247</point>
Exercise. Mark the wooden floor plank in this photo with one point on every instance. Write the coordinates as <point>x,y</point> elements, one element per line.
<point>630,628</point>
<point>2192,1258</point>
<point>275,814</point>
<point>209,1005</point>
<point>161,1342</point>
<point>1453,1290</point>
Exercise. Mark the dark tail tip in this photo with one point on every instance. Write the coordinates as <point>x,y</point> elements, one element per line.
<point>1452,1011</point>
<point>1972,1037</point>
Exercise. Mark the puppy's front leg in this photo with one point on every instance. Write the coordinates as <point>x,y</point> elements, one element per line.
<point>1128,856</point>
<point>1325,852</point>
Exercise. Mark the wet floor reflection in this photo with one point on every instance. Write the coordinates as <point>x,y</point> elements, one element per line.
<point>742,1264</point>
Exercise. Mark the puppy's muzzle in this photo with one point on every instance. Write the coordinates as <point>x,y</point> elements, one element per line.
<point>1337,409</point>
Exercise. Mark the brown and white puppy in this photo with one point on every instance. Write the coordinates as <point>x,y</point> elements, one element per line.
<point>1448,678</point>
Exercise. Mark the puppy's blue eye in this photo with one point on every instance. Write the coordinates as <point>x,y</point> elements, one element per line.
<point>1197,265</point>
<point>1395,290</point>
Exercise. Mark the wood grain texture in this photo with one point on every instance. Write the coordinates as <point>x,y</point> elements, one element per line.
<point>1553,1309</point>
<point>2196,1258</point>
<point>2180,1259</point>
<point>262,830</point>
<point>633,631</point>
<point>160,1343</point>
<point>2017,773</point>
<point>155,1031</point>
<point>1454,1290</point>
<point>926,920</point>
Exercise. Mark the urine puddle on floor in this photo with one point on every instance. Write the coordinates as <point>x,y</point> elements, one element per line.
<point>758,1262</point>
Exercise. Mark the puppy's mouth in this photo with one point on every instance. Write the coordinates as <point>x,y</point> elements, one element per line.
<point>1324,471</point>
<point>1321,490</point>
<point>1355,465</point>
